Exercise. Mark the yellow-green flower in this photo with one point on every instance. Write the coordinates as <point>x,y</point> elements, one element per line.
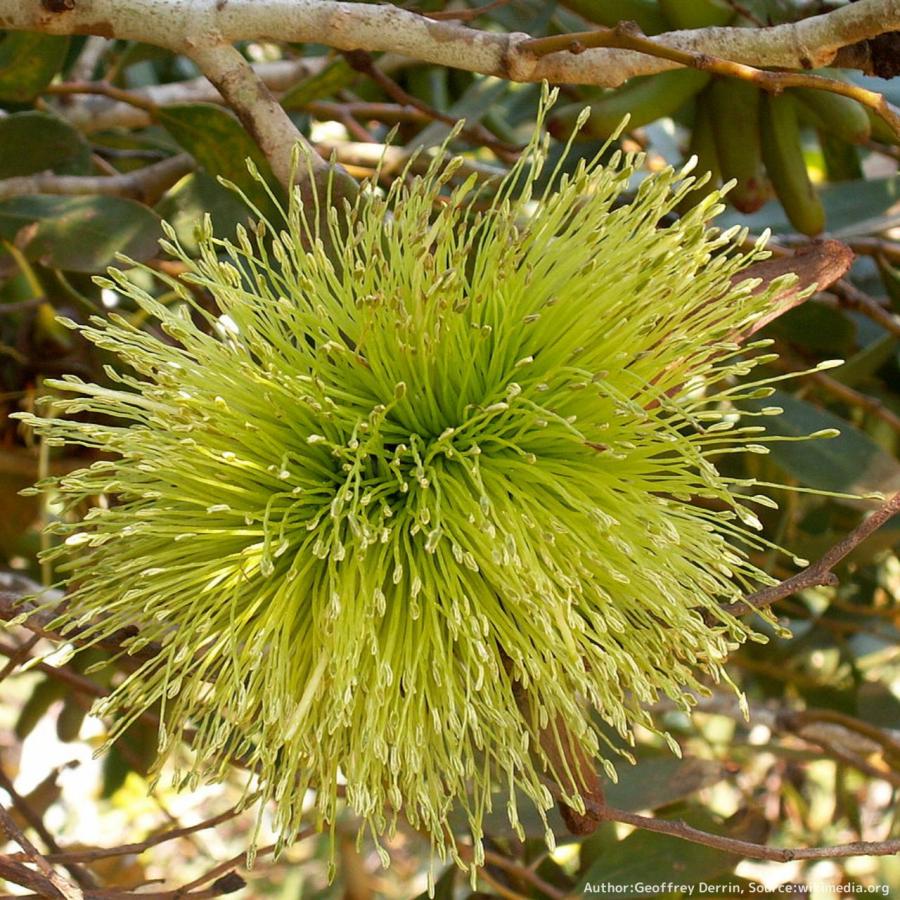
<point>364,504</point>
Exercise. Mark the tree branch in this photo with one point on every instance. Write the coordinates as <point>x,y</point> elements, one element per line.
<point>626,35</point>
<point>189,27</point>
<point>63,887</point>
<point>34,820</point>
<point>818,573</point>
<point>748,849</point>
<point>146,184</point>
<point>116,108</point>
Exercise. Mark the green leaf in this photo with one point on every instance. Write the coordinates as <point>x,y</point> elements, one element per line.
<point>218,142</point>
<point>867,361</point>
<point>336,75</point>
<point>184,206</point>
<point>851,208</point>
<point>850,463</point>
<point>28,62</point>
<point>660,780</point>
<point>816,327</point>
<point>35,141</point>
<point>80,234</point>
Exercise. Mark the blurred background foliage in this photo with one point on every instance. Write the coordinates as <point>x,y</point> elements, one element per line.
<point>101,139</point>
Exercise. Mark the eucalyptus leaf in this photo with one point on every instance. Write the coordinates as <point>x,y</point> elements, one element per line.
<point>336,75</point>
<point>79,234</point>
<point>28,62</point>
<point>850,463</point>
<point>33,142</point>
<point>219,143</point>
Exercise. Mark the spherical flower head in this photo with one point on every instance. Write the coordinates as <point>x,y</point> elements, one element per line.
<point>391,514</point>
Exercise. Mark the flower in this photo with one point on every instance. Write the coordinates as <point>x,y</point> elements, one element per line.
<point>391,515</point>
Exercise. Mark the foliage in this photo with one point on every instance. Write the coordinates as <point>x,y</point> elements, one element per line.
<point>816,764</point>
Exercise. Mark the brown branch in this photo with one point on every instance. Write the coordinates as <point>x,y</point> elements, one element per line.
<point>112,107</point>
<point>818,573</point>
<point>19,656</point>
<point>748,849</point>
<point>856,398</point>
<point>475,132</point>
<point>628,36</point>
<point>18,873</point>
<point>516,869</point>
<point>22,807</point>
<point>851,297</point>
<point>95,853</point>
<point>62,886</point>
<point>137,108</point>
<point>182,27</point>
<point>13,591</point>
<point>146,184</point>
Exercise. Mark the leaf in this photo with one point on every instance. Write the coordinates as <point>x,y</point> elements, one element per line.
<point>851,208</point>
<point>28,62</point>
<point>816,327</point>
<point>657,781</point>
<point>850,463</point>
<point>184,206</point>
<point>35,141</point>
<point>654,860</point>
<point>218,142</point>
<point>867,361</point>
<point>336,75</point>
<point>80,234</point>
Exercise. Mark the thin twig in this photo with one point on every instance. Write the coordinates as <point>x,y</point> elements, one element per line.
<point>23,808</point>
<point>856,398</point>
<point>818,573</point>
<point>844,392</point>
<point>516,869</point>
<point>62,885</point>
<point>475,132</point>
<point>18,873</point>
<point>163,837</point>
<point>747,849</point>
<point>22,652</point>
<point>852,298</point>
<point>13,604</point>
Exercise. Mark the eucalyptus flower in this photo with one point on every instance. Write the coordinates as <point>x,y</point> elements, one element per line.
<point>390,514</point>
